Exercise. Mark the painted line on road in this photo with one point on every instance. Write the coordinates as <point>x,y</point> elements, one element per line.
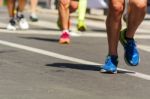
<point>144,47</point>
<point>48,30</point>
<point>68,58</point>
<point>73,34</point>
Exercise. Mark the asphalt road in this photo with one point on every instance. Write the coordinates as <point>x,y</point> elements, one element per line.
<point>33,65</point>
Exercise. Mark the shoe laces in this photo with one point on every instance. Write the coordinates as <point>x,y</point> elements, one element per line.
<point>130,47</point>
<point>20,17</point>
<point>111,60</point>
<point>65,35</point>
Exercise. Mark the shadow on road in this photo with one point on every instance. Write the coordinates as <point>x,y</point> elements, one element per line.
<point>75,66</point>
<point>41,29</point>
<point>147,19</point>
<point>84,67</point>
<point>98,30</point>
<point>42,39</point>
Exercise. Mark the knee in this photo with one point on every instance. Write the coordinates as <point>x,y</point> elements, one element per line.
<point>116,9</point>
<point>73,6</point>
<point>64,3</point>
<point>139,5</point>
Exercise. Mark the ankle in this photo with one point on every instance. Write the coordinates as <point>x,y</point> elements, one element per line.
<point>129,38</point>
<point>12,21</point>
<point>114,59</point>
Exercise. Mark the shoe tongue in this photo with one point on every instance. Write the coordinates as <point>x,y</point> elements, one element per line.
<point>114,59</point>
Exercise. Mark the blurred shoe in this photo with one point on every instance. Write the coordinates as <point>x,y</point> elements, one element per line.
<point>11,25</point>
<point>64,38</point>
<point>110,65</point>
<point>33,18</point>
<point>131,54</point>
<point>23,24</point>
<point>81,26</point>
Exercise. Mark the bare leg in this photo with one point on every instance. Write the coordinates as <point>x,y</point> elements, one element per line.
<point>11,7</point>
<point>33,5</point>
<point>65,7</point>
<point>21,5</point>
<point>113,24</point>
<point>136,16</point>
<point>33,16</point>
<point>64,13</point>
<point>73,6</point>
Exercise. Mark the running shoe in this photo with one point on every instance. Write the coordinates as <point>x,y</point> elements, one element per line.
<point>11,25</point>
<point>131,54</point>
<point>110,65</point>
<point>81,26</point>
<point>33,18</point>
<point>23,24</point>
<point>64,38</point>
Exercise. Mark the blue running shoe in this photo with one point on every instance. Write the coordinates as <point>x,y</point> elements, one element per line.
<point>110,65</point>
<point>131,54</point>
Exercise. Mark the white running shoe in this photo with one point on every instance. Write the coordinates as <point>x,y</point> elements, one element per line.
<point>23,24</point>
<point>33,17</point>
<point>11,26</point>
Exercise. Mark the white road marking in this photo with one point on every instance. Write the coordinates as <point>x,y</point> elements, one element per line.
<point>73,34</point>
<point>68,58</point>
<point>144,47</point>
<point>48,25</point>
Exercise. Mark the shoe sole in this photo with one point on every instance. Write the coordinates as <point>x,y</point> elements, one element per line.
<point>105,71</point>
<point>82,28</point>
<point>64,41</point>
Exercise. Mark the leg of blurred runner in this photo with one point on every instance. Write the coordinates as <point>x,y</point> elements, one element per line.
<point>33,16</point>
<point>65,7</point>
<point>11,7</point>
<point>81,15</point>
<point>13,12</point>
<point>1,3</point>
<point>23,24</point>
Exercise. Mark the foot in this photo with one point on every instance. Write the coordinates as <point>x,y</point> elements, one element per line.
<point>81,26</point>
<point>11,25</point>
<point>23,24</point>
<point>131,55</point>
<point>64,38</point>
<point>33,18</point>
<point>110,65</point>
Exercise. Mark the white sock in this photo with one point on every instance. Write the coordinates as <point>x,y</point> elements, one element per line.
<point>34,15</point>
<point>65,31</point>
